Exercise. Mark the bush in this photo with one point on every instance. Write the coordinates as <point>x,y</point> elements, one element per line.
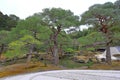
<point>69,50</point>
<point>91,49</point>
<point>68,63</point>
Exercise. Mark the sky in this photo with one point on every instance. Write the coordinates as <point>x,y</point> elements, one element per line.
<point>25,8</point>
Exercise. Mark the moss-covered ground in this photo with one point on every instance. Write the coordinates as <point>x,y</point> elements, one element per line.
<point>21,68</point>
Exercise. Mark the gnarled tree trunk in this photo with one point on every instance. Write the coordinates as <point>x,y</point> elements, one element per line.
<point>55,42</point>
<point>56,55</point>
<point>104,22</point>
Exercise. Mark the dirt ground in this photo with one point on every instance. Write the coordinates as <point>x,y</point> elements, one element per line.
<point>103,66</point>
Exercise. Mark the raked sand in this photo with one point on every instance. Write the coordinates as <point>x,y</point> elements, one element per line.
<point>69,75</point>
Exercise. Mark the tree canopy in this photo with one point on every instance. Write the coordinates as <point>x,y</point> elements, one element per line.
<point>8,22</point>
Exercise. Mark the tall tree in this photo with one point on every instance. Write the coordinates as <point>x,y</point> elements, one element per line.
<point>28,32</point>
<point>57,19</point>
<point>102,16</point>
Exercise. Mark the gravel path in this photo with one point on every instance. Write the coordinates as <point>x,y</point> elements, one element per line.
<point>69,75</point>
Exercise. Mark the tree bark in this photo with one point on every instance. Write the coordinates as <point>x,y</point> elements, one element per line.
<point>103,20</point>
<point>56,55</point>
<point>55,49</point>
<point>1,50</point>
<point>29,56</point>
<point>108,54</point>
<point>55,46</point>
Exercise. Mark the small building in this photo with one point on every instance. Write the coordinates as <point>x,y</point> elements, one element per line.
<point>115,54</point>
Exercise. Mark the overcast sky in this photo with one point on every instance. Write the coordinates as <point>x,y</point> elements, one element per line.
<point>25,8</point>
